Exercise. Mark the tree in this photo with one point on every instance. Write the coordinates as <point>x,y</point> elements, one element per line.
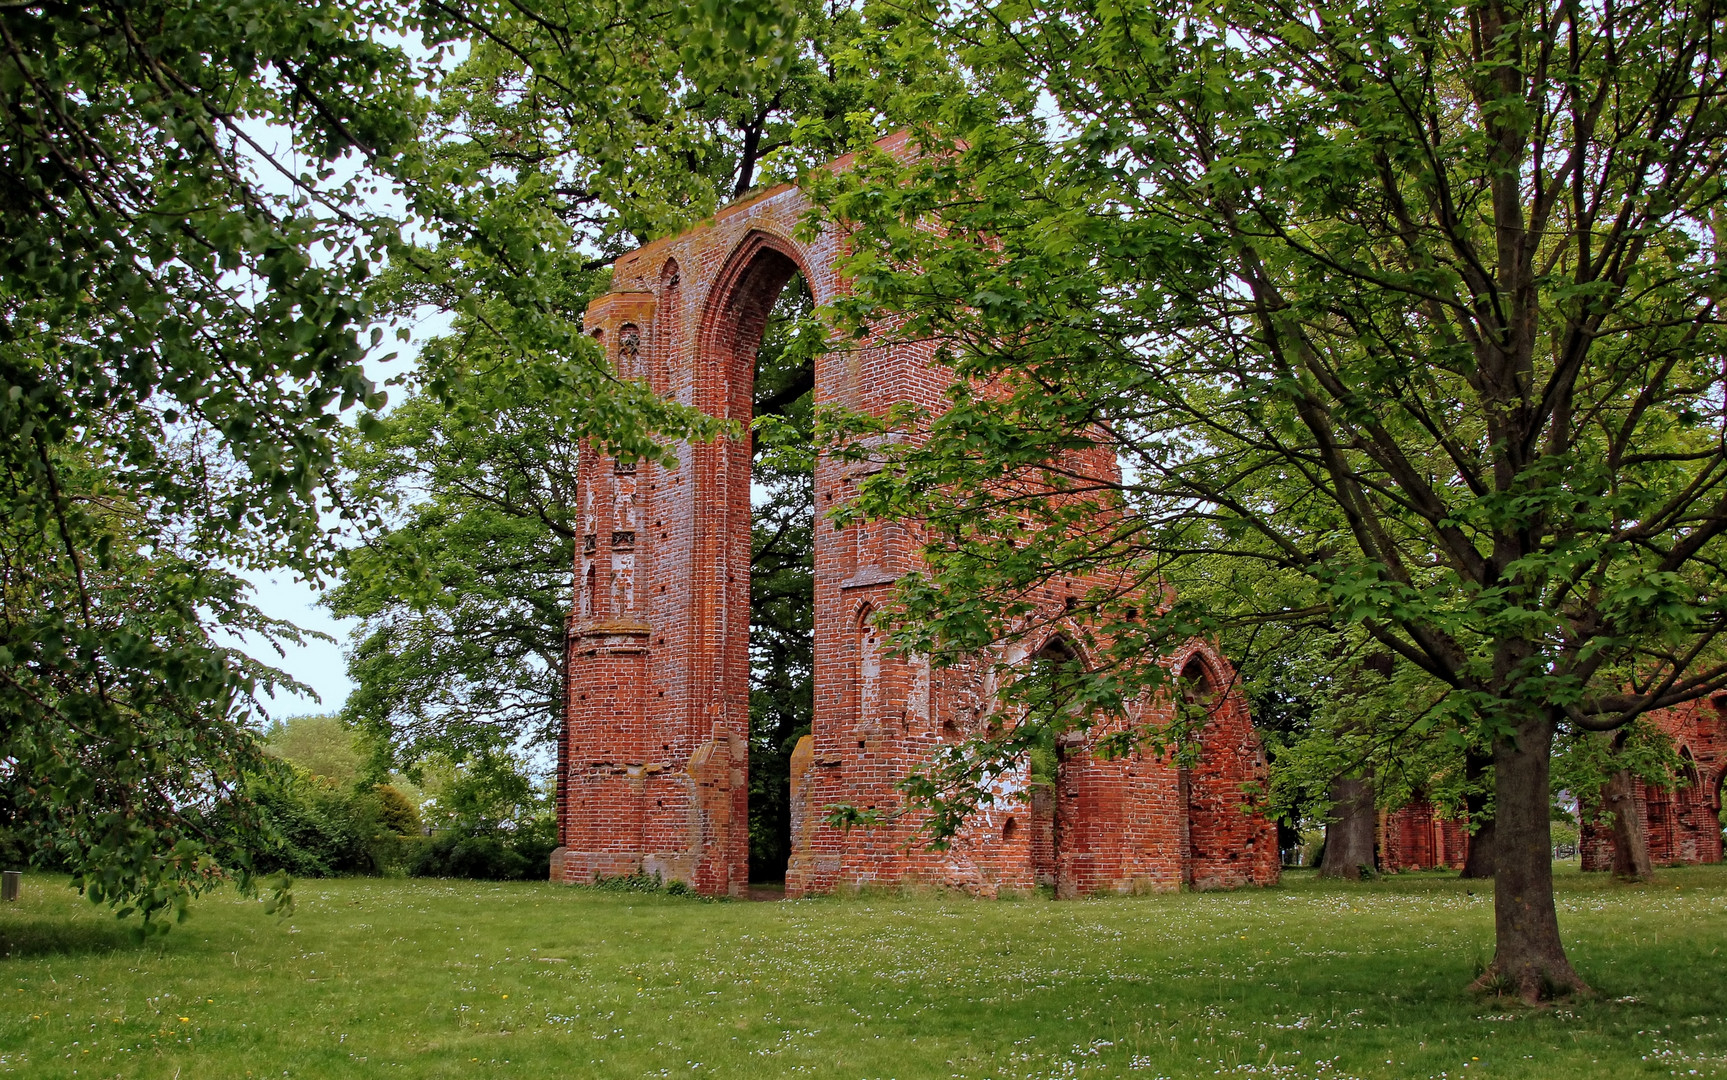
<point>1602,771</point>
<point>464,588</point>
<point>1407,314</point>
<point>181,326</point>
<point>322,745</point>
<point>1359,742</point>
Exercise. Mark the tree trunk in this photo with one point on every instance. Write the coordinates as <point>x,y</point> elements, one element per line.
<point>1528,959</point>
<point>1479,864</point>
<point>1349,831</point>
<point>1630,841</point>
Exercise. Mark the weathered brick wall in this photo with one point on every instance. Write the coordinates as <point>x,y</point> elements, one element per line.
<point>1683,825</point>
<point>656,754</point>
<point>1415,837</point>
<point>1230,842</point>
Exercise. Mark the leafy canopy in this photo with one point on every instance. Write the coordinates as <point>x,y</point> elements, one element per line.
<point>184,246</point>
<point>1397,317</point>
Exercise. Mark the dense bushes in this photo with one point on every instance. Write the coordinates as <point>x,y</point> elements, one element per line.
<point>322,829</point>
<point>482,818</point>
<point>488,858</point>
<point>490,821</point>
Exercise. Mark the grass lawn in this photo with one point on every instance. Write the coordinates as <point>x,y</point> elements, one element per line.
<point>434,978</point>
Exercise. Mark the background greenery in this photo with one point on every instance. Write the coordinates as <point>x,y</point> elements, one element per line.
<point>333,811</point>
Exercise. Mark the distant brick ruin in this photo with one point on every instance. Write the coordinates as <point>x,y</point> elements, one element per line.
<point>653,768</point>
<point>1683,825</point>
<point>1415,837</point>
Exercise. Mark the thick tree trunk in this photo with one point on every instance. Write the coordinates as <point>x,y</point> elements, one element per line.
<point>1480,861</point>
<point>1528,959</point>
<point>1630,842</point>
<point>1349,830</point>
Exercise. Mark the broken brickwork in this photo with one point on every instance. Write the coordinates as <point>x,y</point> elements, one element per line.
<point>1682,824</point>
<point>1415,837</point>
<point>655,757</point>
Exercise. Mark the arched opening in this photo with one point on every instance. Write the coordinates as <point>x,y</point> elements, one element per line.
<point>1198,688</point>
<point>1053,802</point>
<point>1198,694</point>
<point>667,316</point>
<point>1719,813</point>
<point>1658,819</point>
<point>1690,812</point>
<point>868,674</point>
<point>767,317</point>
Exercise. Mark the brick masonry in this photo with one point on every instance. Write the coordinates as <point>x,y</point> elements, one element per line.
<point>1683,826</point>
<point>1415,837</point>
<point>656,754</point>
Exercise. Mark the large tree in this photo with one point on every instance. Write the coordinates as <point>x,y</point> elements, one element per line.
<point>1405,314</point>
<point>183,247</point>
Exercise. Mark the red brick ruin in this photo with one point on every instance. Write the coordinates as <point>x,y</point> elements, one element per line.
<point>654,767</point>
<point>1415,837</point>
<point>1681,824</point>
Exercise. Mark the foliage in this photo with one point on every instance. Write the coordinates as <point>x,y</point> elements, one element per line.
<point>491,818</point>
<point>1330,705</point>
<point>1404,320</point>
<point>317,828</point>
<point>322,813</point>
<point>493,793</point>
<point>985,989</point>
<point>483,858</point>
<point>320,744</point>
<point>624,121</point>
<point>183,253</point>
<point>1583,761</point>
<point>595,127</point>
<point>464,593</point>
<point>396,812</point>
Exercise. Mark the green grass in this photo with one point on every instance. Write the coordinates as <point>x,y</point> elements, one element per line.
<point>416,978</point>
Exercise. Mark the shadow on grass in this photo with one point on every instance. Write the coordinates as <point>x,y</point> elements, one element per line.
<point>26,938</point>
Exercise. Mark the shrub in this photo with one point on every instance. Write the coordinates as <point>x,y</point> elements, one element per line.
<point>395,812</point>
<point>323,829</point>
<point>493,822</point>
<point>483,858</point>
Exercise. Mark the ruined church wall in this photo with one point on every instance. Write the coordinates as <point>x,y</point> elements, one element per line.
<point>1682,825</point>
<point>656,751</point>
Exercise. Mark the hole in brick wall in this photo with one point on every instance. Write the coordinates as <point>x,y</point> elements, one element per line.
<point>950,730</point>
<point>1010,829</point>
<point>1050,705</point>
<point>860,744</point>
